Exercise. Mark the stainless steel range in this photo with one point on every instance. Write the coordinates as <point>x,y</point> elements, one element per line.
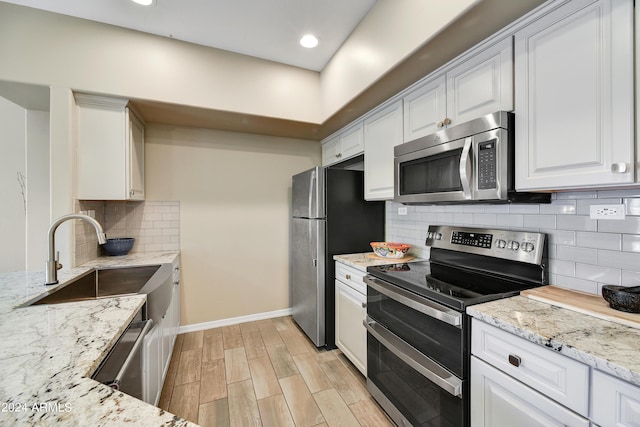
<point>418,335</point>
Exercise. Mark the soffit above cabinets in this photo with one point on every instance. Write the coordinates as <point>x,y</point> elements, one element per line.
<point>264,29</point>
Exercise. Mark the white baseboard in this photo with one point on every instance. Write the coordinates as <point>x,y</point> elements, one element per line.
<point>234,320</point>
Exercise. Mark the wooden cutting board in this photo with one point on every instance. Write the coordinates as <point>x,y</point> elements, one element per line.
<point>593,305</point>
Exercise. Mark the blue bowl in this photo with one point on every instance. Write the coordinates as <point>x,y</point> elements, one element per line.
<point>118,246</point>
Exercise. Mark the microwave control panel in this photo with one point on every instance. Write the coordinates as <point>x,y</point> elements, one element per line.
<point>487,165</point>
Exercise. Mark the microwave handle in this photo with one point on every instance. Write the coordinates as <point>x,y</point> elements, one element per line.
<point>465,168</point>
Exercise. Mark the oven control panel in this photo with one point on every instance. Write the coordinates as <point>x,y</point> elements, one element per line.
<point>514,245</point>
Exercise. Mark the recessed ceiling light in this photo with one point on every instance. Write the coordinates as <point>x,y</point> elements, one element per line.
<point>308,41</point>
<point>144,2</point>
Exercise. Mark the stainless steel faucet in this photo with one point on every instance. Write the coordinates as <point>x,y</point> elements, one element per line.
<point>51,272</point>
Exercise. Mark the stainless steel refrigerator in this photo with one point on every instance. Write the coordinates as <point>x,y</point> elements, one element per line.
<point>329,217</point>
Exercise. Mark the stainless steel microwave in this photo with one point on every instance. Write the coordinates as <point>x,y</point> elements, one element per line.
<point>470,162</point>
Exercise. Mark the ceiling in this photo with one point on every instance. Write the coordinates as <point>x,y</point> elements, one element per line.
<point>268,29</point>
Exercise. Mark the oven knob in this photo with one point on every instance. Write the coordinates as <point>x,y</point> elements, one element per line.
<point>513,245</point>
<point>438,236</point>
<point>501,243</point>
<point>527,246</point>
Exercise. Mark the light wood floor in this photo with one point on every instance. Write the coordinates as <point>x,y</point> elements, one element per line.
<point>265,373</point>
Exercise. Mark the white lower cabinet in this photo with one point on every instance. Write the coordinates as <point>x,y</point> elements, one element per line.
<point>515,382</point>
<point>158,344</point>
<point>498,400</point>
<point>351,335</point>
<point>614,402</point>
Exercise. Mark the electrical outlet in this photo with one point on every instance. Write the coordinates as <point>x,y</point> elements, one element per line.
<point>402,210</point>
<point>606,212</point>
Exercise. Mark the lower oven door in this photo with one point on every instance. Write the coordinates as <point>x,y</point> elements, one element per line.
<point>413,390</point>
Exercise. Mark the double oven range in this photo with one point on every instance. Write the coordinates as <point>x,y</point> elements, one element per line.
<point>418,335</point>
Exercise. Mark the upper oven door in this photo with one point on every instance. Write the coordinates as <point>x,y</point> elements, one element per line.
<point>471,168</point>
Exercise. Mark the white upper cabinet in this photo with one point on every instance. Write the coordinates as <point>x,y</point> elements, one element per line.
<point>575,97</point>
<point>110,151</point>
<point>482,83</point>
<point>348,143</point>
<point>382,132</point>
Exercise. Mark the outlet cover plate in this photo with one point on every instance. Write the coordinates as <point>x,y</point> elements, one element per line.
<point>606,211</point>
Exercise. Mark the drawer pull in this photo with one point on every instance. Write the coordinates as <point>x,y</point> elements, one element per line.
<point>348,276</point>
<point>515,360</point>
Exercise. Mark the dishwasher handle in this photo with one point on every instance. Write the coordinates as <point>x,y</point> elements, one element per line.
<point>115,384</point>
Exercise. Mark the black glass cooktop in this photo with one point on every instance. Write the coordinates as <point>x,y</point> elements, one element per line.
<point>455,287</point>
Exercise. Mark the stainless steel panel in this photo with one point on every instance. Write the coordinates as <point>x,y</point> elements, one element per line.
<point>308,194</point>
<point>461,131</point>
<point>439,236</point>
<point>412,357</point>
<point>416,302</point>
<point>307,277</point>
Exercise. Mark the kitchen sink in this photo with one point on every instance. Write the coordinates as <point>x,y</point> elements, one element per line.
<point>99,283</point>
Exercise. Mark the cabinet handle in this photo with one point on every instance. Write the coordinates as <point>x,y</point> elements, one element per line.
<point>619,168</point>
<point>515,360</point>
<point>348,276</point>
<point>337,155</point>
<point>446,121</point>
<point>177,283</point>
<point>364,305</point>
<point>440,124</point>
<point>131,193</point>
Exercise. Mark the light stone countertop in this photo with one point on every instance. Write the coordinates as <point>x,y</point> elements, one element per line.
<point>606,346</point>
<point>49,352</point>
<point>363,260</point>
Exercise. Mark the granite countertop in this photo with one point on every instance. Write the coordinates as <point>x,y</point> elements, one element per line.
<point>601,344</point>
<point>49,352</point>
<point>367,259</point>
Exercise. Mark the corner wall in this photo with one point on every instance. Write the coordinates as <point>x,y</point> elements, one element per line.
<point>234,193</point>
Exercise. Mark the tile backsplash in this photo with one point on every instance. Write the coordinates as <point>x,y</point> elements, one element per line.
<point>154,225</point>
<point>584,253</point>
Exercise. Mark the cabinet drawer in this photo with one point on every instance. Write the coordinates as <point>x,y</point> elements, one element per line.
<point>564,380</point>
<point>614,402</point>
<point>497,400</point>
<point>352,277</point>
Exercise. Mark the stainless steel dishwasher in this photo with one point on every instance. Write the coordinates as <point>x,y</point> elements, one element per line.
<point>122,368</point>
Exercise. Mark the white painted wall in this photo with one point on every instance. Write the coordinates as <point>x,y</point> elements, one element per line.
<point>37,149</point>
<point>12,163</point>
<point>391,31</point>
<point>234,191</point>
<point>44,48</point>
<point>24,186</point>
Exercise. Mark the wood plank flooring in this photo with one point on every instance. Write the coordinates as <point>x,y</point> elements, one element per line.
<point>265,373</point>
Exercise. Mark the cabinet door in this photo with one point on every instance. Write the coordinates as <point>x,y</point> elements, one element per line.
<point>136,157</point>
<point>497,400</point>
<point>352,142</point>
<point>331,151</point>
<point>424,109</point>
<point>382,132</point>
<point>351,335</point>
<point>574,97</point>
<point>481,85</point>
<point>151,366</point>
<point>614,402</point>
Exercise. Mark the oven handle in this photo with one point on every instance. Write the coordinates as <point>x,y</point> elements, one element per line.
<point>465,168</point>
<point>412,357</point>
<point>416,302</point>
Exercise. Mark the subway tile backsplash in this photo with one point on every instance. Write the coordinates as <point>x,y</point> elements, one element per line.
<point>154,225</point>
<point>584,254</point>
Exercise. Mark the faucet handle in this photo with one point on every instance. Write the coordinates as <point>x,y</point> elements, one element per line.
<point>57,259</point>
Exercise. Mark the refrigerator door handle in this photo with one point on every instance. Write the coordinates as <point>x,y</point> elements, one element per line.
<point>315,262</point>
<point>312,195</point>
